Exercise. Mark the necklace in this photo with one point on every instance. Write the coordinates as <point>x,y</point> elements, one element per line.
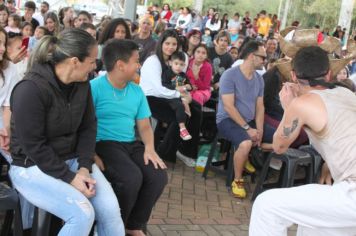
<point>121,97</point>
<point>117,97</point>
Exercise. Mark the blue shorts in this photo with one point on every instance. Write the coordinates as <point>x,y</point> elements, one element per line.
<point>236,134</point>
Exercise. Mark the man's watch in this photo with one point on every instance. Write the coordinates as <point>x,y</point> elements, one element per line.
<point>246,126</point>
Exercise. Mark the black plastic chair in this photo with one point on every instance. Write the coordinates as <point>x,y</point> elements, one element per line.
<point>4,167</point>
<point>291,159</point>
<point>208,127</point>
<point>228,164</point>
<point>9,202</point>
<point>317,160</point>
<point>41,223</point>
<point>228,170</point>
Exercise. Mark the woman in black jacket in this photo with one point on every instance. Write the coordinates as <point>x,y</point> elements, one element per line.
<point>53,129</point>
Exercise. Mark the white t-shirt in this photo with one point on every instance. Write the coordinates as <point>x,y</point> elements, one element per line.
<point>21,67</point>
<point>183,21</point>
<point>289,36</point>
<point>234,24</point>
<point>213,27</point>
<point>6,86</point>
<point>353,78</point>
<point>38,16</point>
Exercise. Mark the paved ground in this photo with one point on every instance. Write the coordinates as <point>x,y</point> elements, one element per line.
<point>192,206</point>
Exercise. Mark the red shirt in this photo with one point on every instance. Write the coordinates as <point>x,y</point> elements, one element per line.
<point>320,37</point>
<point>168,16</point>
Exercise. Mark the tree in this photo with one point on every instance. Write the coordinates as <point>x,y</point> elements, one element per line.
<point>285,14</point>
<point>226,6</point>
<point>309,12</point>
<point>173,3</point>
<point>240,6</point>
<point>326,11</point>
<point>116,7</point>
<point>297,11</point>
<point>198,5</point>
<point>345,17</point>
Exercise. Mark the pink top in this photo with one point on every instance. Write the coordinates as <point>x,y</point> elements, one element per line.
<point>205,75</point>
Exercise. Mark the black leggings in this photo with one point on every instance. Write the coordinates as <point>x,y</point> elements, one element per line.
<point>136,185</point>
<point>167,147</point>
<point>177,106</point>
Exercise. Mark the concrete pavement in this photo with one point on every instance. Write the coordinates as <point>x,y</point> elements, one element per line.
<point>193,206</point>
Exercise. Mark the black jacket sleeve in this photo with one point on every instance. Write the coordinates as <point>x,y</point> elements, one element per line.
<point>29,115</point>
<point>86,135</point>
<point>167,76</point>
<point>184,75</point>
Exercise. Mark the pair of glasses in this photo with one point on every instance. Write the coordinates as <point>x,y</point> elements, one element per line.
<point>260,56</point>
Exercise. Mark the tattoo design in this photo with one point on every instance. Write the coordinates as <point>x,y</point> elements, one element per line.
<point>287,131</point>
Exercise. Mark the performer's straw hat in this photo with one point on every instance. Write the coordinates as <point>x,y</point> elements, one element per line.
<point>309,37</point>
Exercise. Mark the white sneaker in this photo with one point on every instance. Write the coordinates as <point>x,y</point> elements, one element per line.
<point>275,164</point>
<point>186,160</point>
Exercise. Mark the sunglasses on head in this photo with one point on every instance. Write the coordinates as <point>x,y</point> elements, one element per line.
<point>13,34</point>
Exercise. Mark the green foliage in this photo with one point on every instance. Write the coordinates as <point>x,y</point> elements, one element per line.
<point>324,13</point>
<point>227,6</point>
<point>173,3</point>
<point>241,6</point>
<point>309,12</point>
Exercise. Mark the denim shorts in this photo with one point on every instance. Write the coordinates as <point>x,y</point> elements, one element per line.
<point>234,133</point>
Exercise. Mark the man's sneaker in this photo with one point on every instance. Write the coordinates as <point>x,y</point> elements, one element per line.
<point>249,168</point>
<point>184,134</point>
<point>186,160</point>
<point>238,189</point>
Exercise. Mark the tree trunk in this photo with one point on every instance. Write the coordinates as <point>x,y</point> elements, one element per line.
<point>130,9</point>
<point>198,5</point>
<point>116,8</point>
<point>323,24</point>
<point>280,8</point>
<point>285,14</point>
<point>345,16</point>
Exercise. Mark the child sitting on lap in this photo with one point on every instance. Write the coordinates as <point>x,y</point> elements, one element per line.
<point>174,78</point>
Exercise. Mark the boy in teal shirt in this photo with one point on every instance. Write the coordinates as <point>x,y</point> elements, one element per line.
<point>133,167</point>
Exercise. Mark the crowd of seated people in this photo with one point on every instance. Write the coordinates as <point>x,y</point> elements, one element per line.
<point>78,100</point>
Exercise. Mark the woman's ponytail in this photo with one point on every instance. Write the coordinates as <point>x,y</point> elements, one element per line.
<point>43,52</point>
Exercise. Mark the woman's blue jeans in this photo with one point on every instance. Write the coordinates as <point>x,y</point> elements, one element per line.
<point>66,202</point>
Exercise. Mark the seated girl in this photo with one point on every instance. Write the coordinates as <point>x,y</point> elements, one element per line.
<point>200,75</point>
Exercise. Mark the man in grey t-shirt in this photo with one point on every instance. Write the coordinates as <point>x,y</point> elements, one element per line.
<point>241,111</point>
